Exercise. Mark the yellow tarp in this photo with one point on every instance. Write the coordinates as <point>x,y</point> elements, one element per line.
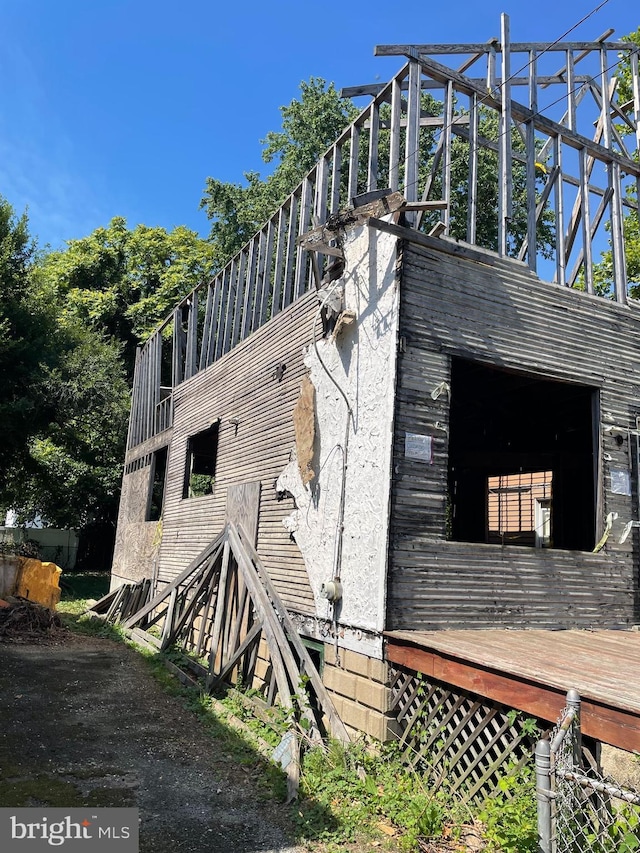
<point>38,581</point>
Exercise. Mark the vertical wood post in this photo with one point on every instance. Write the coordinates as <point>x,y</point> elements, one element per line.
<point>617,235</point>
<point>240,289</point>
<point>412,136</point>
<point>303,225</point>
<point>287,291</point>
<point>446,153</point>
<point>354,161</point>
<point>249,289</point>
<point>206,329</point>
<point>394,139</point>
<point>213,326</point>
<point>472,190</point>
<point>278,273</point>
<point>374,128</point>
<point>586,221</point>
<point>530,145</point>
<point>191,359</point>
<point>232,299</point>
<point>505,201</point>
<point>336,177</point>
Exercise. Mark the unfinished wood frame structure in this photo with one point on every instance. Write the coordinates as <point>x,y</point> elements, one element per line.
<point>469,342</point>
<point>563,166</point>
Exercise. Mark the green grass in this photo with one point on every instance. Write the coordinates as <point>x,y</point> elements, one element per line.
<point>346,793</point>
<point>78,590</point>
<point>82,586</point>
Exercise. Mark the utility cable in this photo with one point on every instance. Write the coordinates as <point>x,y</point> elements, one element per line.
<point>337,561</point>
<point>539,112</point>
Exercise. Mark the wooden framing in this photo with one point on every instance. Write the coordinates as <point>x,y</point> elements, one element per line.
<point>219,607</point>
<point>558,155</point>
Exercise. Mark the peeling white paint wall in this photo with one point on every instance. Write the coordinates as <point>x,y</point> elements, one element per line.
<point>362,360</point>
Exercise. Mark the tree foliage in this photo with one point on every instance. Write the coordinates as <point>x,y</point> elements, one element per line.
<point>29,346</point>
<point>122,282</point>
<point>309,126</point>
<point>71,477</point>
<point>63,396</point>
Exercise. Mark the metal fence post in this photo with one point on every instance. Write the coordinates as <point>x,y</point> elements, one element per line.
<point>573,704</point>
<point>543,795</point>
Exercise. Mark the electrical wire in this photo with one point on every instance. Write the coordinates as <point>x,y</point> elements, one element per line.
<point>337,555</point>
<point>539,112</point>
<point>552,44</point>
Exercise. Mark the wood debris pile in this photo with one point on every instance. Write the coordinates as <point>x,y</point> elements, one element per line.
<point>24,621</point>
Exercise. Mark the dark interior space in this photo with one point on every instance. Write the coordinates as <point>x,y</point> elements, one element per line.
<point>158,474</point>
<point>505,423</point>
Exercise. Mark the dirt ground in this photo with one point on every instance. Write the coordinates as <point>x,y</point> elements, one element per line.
<point>83,722</point>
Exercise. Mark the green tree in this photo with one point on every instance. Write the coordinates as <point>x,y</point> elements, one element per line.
<point>63,396</point>
<point>122,282</point>
<point>309,126</point>
<point>71,477</point>
<point>70,322</point>
<point>29,346</point>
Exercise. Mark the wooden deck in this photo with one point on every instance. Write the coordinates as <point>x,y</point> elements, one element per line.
<point>532,671</point>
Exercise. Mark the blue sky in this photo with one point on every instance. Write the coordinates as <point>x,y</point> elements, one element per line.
<point>109,107</point>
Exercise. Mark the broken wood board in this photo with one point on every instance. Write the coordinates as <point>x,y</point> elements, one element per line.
<point>221,607</point>
<point>318,239</point>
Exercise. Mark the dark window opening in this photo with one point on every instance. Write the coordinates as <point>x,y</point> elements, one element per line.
<point>316,652</point>
<point>200,473</point>
<point>158,480</point>
<point>522,459</point>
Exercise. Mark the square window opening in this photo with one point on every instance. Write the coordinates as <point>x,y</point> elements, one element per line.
<point>200,470</point>
<point>522,459</point>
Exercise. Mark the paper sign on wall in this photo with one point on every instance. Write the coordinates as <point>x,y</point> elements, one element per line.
<point>620,481</point>
<point>418,447</point>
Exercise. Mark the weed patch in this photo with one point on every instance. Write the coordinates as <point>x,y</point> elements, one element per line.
<point>509,816</point>
<point>350,796</point>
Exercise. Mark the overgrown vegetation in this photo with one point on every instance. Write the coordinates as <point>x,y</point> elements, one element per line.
<point>360,794</point>
<point>510,817</point>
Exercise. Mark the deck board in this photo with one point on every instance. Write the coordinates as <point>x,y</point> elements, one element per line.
<point>534,669</point>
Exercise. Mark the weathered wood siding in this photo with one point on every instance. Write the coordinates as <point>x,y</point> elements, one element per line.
<point>252,391</point>
<point>500,314</point>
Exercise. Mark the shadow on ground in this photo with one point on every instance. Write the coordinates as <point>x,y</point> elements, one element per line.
<point>83,722</point>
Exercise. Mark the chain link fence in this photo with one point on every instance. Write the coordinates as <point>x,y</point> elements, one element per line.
<point>579,810</point>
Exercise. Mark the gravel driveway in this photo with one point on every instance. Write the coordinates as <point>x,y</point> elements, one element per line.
<point>83,722</point>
